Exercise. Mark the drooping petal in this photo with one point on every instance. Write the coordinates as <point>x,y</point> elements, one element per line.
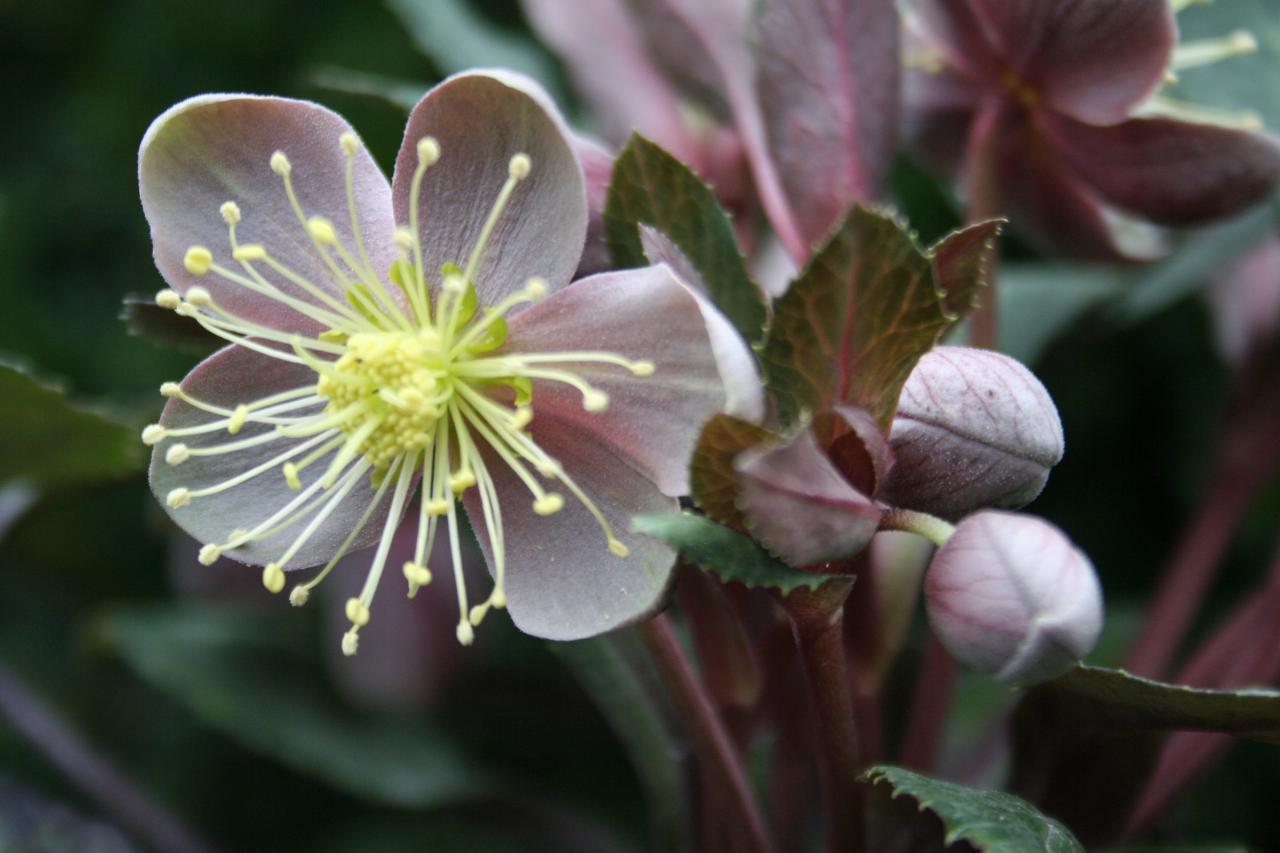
<point>597,168</point>
<point>828,77</point>
<point>1170,171</point>
<point>644,314</point>
<point>799,505</point>
<point>562,581</point>
<point>227,378</point>
<point>542,230</point>
<point>212,149</point>
<point>1092,59</point>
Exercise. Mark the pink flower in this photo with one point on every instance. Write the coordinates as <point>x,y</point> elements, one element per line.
<point>420,332</point>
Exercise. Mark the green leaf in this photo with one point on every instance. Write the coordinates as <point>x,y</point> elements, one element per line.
<point>1114,697</point>
<point>713,481</point>
<point>989,820</point>
<point>1039,301</point>
<point>456,37</point>
<point>50,442</point>
<point>146,319</point>
<point>651,187</point>
<point>235,674</point>
<point>870,303</point>
<point>726,553</point>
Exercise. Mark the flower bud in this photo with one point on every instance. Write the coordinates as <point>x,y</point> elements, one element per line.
<point>1011,596</point>
<point>974,429</point>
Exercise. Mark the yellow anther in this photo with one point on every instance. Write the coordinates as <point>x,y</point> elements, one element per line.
<point>333,336</point>
<point>280,164</point>
<point>403,238</point>
<point>466,634</point>
<point>199,297</point>
<point>455,283</point>
<point>299,595</point>
<point>535,288</point>
<point>170,389</point>
<point>357,612</point>
<point>498,599</point>
<point>322,230</point>
<point>642,368</point>
<point>519,166</point>
<point>350,643</point>
<point>461,481</point>
<point>617,548</point>
<point>547,467</point>
<point>177,454</point>
<point>594,400</point>
<point>209,554</point>
<point>476,616</point>
<point>197,260</point>
<point>416,574</point>
<point>178,497</point>
<point>153,434</point>
<point>350,143</point>
<point>273,577</point>
<point>521,418</point>
<point>168,299</point>
<point>548,504</point>
<point>291,476</point>
<point>239,415</point>
<point>428,150</point>
<point>440,506</point>
<point>230,212</point>
<point>250,252</point>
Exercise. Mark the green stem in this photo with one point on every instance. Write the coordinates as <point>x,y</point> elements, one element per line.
<point>930,527</point>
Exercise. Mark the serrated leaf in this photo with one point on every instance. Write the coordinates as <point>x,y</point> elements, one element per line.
<point>726,553</point>
<point>234,673</point>
<point>962,264</point>
<point>713,481</point>
<point>651,187</point>
<point>853,325</point>
<point>1115,698</point>
<point>162,326</point>
<point>51,442</point>
<point>988,820</point>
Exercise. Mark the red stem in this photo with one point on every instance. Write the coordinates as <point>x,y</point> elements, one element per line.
<point>929,705</point>
<point>735,800</point>
<point>984,202</point>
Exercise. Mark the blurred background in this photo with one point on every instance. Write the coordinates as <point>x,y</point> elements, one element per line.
<point>231,709</point>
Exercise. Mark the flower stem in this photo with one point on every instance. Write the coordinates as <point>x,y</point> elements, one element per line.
<point>711,742</point>
<point>132,809</point>
<point>984,202</point>
<point>818,620</point>
<point>930,527</point>
<point>929,705</point>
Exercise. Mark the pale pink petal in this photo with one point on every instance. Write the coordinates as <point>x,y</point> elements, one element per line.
<point>1246,301</point>
<point>227,378</point>
<point>217,148</point>
<point>481,120</point>
<point>644,314</point>
<point>859,449</point>
<point>562,581</point>
<point>952,29</point>
<point>597,168</point>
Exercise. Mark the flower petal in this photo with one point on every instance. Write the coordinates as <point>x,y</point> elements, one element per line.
<point>938,111</point>
<point>562,581</point>
<point>1246,301</point>
<point>1092,59</point>
<point>644,314</point>
<point>481,120</point>
<point>1170,171</point>
<point>227,378</point>
<point>217,148</point>
<point>597,168</point>
<point>953,30</point>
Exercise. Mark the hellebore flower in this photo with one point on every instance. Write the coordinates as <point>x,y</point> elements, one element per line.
<point>1011,596</point>
<point>425,331</point>
<point>1044,109</point>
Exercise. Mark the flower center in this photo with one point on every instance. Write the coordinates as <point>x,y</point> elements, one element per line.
<point>413,385</point>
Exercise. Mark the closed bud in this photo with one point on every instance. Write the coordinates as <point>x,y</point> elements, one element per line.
<point>1012,597</point>
<point>974,429</point>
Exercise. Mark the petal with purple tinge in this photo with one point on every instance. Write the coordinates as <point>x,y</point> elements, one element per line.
<point>828,77</point>
<point>644,315</point>
<point>227,378</point>
<point>562,581</point>
<point>1092,59</point>
<point>974,428</point>
<point>857,446</point>
<point>799,506</point>
<point>1246,301</point>
<point>597,168</point>
<point>952,29</point>
<point>1170,171</point>
<point>937,112</point>
<point>218,148</point>
<point>543,228</point>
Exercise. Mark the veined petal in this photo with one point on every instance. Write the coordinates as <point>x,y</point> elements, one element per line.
<point>645,314</point>
<point>1092,59</point>
<point>481,120</point>
<point>229,377</point>
<point>562,581</point>
<point>213,149</point>
<point>1171,171</point>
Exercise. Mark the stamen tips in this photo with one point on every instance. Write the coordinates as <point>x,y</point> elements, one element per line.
<point>250,252</point>
<point>357,612</point>
<point>168,299</point>
<point>548,504</point>
<point>237,420</point>
<point>439,506</point>
<point>197,260</point>
<point>428,150</point>
<point>199,297</point>
<point>416,574</point>
<point>291,476</point>
<point>466,634</point>
<point>594,400</point>
<point>521,417</point>
<point>273,578</point>
<point>461,481</point>
<point>321,230</point>
<point>153,434</point>
<point>177,454</point>
<point>299,596</point>
<point>536,288</point>
<point>476,616</point>
<point>177,498</point>
<point>230,212</point>
<point>617,548</point>
<point>519,166</point>
<point>170,389</point>
<point>209,554</point>
<point>350,643</point>
<point>498,599</point>
<point>403,238</point>
<point>350,143</point>
<point>280,164</point>
<point>642,368</point>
